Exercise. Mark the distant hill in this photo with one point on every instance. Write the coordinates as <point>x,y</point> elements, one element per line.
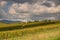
<point>9,21</point>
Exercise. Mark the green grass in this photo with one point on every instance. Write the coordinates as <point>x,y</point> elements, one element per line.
<point>54,38</point>
<point>39,32</point>
<point>27,32</point>
<point>23,25</point>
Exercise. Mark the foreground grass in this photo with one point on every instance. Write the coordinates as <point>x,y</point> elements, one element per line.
<point>54,38</point>
<point>45,32</point>
<point>47,35</point>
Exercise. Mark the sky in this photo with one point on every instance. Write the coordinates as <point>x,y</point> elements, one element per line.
<point>30,9</point>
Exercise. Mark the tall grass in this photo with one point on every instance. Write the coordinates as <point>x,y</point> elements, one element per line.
<point>27,31</point>
<point>22,29</point>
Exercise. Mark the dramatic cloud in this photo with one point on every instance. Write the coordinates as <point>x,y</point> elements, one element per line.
<point>12,11</point>
<point>30,9</point>
<point>34,8</point>
<point>57,2</point>
<point>3,3</point>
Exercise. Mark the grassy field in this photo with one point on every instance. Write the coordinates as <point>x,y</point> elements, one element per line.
<point>38,32</point>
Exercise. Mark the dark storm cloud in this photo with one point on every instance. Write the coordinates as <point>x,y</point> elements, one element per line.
<point>44,16</point>
<point>47,4</point>
<point>20,1</point>
<point>0,15</point>
<point>30,1</point>
<point>57,2</point>
<point>57,16</point>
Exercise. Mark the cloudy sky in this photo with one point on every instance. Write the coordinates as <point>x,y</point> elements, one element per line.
<point>29,9</point>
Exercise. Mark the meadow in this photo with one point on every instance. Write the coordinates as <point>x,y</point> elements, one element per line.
<point>38,30</point>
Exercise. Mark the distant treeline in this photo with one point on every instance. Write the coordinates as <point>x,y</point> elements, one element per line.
<point>30,24</point>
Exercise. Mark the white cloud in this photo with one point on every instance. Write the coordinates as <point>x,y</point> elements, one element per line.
<point>37,8</point>
<point>24,7</point>
<point>54,9</point>
<point>3,3</point>
<point>20,7</point>
<point>12,11</point>
<point>27,10</point>
<point>34,8</point>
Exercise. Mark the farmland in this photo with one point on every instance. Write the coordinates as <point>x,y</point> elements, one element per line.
<point>43,30</point>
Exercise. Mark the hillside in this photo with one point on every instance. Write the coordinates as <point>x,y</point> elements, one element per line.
<point>46,30</point>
